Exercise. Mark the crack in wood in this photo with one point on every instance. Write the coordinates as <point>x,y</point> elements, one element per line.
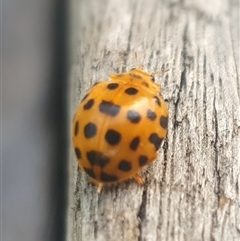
<point>165,160</point>
<point>215,144</point>
<point>142,213</point>
<point>95,229</point>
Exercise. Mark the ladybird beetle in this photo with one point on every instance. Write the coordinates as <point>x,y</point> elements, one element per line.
<point>119,126</point>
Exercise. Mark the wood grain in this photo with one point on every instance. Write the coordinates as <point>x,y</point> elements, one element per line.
<point>192,190</point>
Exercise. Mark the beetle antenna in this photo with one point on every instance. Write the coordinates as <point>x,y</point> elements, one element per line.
<point>160,72</point>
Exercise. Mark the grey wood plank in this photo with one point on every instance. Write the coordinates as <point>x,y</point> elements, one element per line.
<point>192,190</point>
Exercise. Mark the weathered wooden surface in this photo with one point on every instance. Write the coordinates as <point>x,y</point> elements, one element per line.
<point>192,190</point>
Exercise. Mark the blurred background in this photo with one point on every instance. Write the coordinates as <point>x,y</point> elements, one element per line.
<point>33,100</point>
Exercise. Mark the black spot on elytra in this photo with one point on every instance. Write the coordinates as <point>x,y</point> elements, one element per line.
<point>97,158</point>
<point>145,84</point>
<point>112,137</point>
<point>155,140</point>
<point>90,130</point>
<point>90,172</point>
<point>151,115</point>
<point>133,116</point>
<point>108,108</point>
<point>142,160</point>
<point>131,91</point>
<point>136,76</point>
<point>78,153</point>
<point>85,97</point>
<point>135,143</point>
<point>108,178</point>
<point>89,104</point>
<point>76,128</point>
<point>164,122</point>
<point>157,100</point>
<point>112,86</point>
<point>125,166</point>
